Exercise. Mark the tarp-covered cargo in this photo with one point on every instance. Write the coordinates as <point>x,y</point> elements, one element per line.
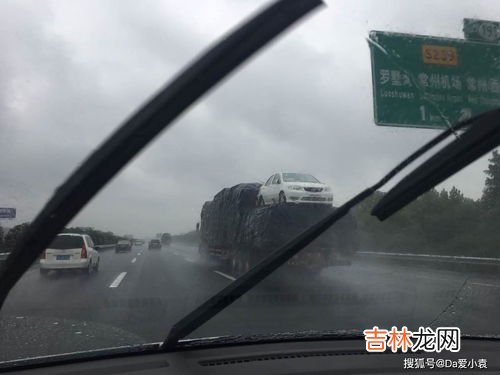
<point>221,219</point>
<point>268,228</point>
<point>232,221</point>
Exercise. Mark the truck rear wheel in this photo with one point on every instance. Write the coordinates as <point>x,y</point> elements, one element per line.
<point>245,263</point>
<point>235,269</point>
<point>240,264</point>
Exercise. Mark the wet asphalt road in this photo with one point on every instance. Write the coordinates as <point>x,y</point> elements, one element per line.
<point>136,297</point>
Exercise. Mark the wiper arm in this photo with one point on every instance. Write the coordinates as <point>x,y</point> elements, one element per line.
<point>240,286</point>
<point>107,160</point>
<point>482,136</point>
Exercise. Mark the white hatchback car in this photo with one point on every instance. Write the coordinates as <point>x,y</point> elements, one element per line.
<point>294,188</point>
<point>70,251</point>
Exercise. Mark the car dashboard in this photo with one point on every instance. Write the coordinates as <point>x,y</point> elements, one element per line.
<point>304,357</point>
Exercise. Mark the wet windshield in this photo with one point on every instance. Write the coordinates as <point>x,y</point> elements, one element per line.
<point>344,97</point>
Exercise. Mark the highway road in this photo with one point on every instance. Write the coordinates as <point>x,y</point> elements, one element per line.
<point>136,297</point>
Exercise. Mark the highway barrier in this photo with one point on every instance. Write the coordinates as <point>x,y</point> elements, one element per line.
<point>105,247</point>
<point>465,263</point>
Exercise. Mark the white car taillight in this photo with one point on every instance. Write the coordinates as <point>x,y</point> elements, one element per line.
<point>83,253</point>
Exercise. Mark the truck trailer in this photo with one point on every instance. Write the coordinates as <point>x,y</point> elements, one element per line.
<point>237,234</point>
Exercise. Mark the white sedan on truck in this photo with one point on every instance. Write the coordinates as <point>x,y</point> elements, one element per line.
<point>70,251</point>
<point>286,187</point>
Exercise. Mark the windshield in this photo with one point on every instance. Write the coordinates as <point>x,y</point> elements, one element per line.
<point>344,96</point>
<point>298,177</point>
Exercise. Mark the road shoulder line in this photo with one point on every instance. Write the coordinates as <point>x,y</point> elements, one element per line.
<point>229,277</point>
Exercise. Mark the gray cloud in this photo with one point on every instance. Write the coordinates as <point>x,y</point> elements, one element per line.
<point>74,70</point>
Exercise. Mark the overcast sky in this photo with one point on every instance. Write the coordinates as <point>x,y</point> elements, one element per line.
<point>72,71</point>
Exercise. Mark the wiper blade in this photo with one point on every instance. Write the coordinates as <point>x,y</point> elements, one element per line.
<point>231,340</point>
<point>482,136</point>
<point>107,160</point>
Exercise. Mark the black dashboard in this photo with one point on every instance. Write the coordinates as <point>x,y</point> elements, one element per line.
<point>304,357</point>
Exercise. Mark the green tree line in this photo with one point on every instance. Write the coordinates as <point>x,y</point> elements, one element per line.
<point>439,222</point>
<point>98,236</point>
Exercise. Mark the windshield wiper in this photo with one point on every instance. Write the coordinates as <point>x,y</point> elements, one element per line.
<point>236,289</point>
<point>107,160</point>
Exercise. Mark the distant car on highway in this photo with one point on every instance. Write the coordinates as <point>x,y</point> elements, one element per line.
<point>139,242</point>
<point>70,251</point>
<point>123,245</point>
<point>154,244</point>
<point>294,188</point>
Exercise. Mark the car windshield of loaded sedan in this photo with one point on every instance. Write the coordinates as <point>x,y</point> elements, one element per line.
<point>299,177</point>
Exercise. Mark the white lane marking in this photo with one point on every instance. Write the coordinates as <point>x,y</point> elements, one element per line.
<point>139,253</point>
<point>485,284</point>
<point>118,280</point>
<point>133,260</point>
<point>225,275</point>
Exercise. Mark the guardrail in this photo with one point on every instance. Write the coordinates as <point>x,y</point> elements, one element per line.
<point>106,247</point>
<point>4,256</point>
<point>457,263</point>
<point>434,258</point>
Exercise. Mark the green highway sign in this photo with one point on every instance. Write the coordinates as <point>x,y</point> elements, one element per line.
<point>426,82</point>
<point>483,31</point>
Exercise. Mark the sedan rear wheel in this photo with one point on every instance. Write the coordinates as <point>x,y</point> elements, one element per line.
<point>88,270</point>
<point>260,202</point>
